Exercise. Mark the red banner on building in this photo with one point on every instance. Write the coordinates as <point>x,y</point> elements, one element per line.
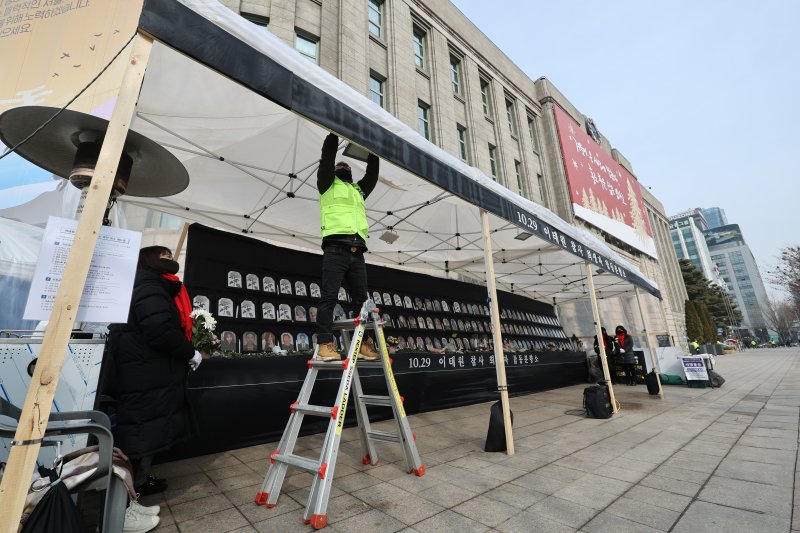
<point>603,193</point>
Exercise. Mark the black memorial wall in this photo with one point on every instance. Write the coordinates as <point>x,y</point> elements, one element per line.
<point>241,402</point>
<point>263,294</point>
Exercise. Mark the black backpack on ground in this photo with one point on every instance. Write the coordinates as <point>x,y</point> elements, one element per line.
<point>597,401</point>
<point>652,383</point>
<point>496,436</point>
<point>715,379</point>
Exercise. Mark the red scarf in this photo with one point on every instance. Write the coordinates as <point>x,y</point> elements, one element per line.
<point>621,340</point>
<point>183,304</point>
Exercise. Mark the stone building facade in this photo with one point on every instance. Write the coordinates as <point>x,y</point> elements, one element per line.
<point>430,66</point>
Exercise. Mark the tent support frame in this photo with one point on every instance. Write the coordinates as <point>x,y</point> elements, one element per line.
<point>600,341</point>
<point>650,344</point>
<point>497,339</point>
<point>39,399</point>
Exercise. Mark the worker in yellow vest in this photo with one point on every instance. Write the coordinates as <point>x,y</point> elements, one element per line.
<point>343,221</point>
<point>695,347</point>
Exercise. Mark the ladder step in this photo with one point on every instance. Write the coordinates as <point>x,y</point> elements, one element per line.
<point>329,365</point>
<point>313,410</point>
<point>376,400</point>
<point>350,324</point>
<point>383,435</point>
<point>295,460</point>
<point>369,364</point>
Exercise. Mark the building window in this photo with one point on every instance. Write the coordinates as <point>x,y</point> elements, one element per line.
<point>419,47</point>
<point>258,20</point>
<point>486,97</point>
<point>461,137</point>
<point>542,190</point>
<point>376,90</point>
<point>523,191</point>
<point>375,17</point>
<point>306,45</point>
<point>455,73</point>
<point>511,115</point>
<point>423,120</point>
<point>533,133</point>
<point>493,161</point>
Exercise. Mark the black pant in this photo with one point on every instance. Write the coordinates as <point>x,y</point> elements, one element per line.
<point>339,263</point>
<point>630,373</point>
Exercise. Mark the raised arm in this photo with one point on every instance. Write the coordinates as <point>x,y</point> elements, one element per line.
<point>370,179</point>
<point>327,162</point>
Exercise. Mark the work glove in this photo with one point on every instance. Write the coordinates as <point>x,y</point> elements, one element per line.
<point>195,361</point>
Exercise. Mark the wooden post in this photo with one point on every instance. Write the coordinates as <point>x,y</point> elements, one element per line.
<point>497,339</point>
<point>600,341</point>
<point>39,399</point>
<point>181,240</point>
<point>650,343</point>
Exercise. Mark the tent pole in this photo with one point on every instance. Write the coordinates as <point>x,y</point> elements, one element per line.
<point>499,361</point>
<point>181,240</point>
<point>650,343</point>
<point>600,341</point>
<point>39,398</point>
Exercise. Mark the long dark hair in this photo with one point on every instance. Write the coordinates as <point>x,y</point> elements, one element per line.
<point>150,258</point>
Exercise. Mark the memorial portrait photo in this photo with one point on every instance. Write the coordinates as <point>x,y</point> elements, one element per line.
<point>225,307</point>
<point>249,342</point>
<point>269,284</point>
<point>287,342</point>
<point>227,341</point>
<point>234,279</point>
<point>201,302</point>
<point>248,309</point>
<point>267,341</point>
<point>299,288</point>
<point>286,286</point>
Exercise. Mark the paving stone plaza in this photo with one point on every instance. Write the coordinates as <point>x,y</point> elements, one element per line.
<point>702,460</point>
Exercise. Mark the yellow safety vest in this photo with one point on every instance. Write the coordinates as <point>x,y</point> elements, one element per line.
<point>341,210</point>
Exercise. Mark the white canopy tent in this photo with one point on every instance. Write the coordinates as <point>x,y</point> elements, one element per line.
<point>246,115</point>
<point>251,144</point>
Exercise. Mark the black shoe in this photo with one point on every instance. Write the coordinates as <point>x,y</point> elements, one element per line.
<point>157,480</point>
<point>150,487</point>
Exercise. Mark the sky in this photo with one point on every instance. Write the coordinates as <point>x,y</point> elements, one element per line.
<point>702,97</point>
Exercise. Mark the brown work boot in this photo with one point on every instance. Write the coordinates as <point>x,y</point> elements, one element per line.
<point>327,352</point>
<point>368,351</point>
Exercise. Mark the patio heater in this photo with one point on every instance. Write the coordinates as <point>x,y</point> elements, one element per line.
<point>69,147</point>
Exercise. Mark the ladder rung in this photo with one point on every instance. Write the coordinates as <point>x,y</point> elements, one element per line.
<point>329,365</point>
<point>376,400</point>
<point>383,435</point>
<point>313,410</point>
<point>369,364</point>
<point>350,324</point>
<point>295,460</point>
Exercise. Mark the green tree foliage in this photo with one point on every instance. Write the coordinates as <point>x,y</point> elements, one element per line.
<point>710,300</point>
<point>693,327</point>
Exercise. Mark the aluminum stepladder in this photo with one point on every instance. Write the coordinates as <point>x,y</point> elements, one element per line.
<point>322,469</point>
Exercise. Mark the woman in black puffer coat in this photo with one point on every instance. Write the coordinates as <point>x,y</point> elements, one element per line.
<point>152,355</point>
<point>625,356</point>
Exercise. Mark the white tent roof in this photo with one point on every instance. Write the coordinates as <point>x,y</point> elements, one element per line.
<point>247,114</point>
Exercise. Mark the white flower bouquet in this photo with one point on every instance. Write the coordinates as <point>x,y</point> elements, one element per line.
<point>203,326</point>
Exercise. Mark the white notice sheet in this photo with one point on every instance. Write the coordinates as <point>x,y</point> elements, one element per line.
<point>107,293</point>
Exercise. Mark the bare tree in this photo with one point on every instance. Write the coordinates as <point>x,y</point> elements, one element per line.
<point>780,317</point>
<point>786,276</point>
